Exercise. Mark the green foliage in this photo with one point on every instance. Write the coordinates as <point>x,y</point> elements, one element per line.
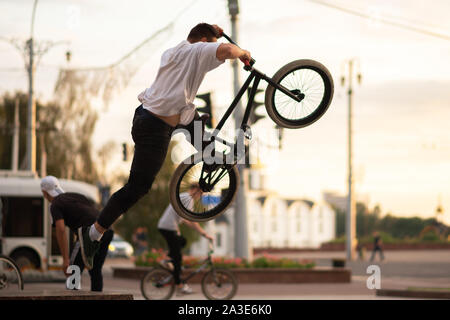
<point>392,229</point>
<point>431,236</point>
<point>153,257</point>
<point>64,128</point>
<point>267,261</point>
<point>147,211</point>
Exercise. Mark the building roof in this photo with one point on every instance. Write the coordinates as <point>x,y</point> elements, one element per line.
<point>31,187</point>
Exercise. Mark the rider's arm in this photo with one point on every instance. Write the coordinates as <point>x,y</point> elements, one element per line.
<point>61,237</point>
<point>231,51</point>
<point>196,226</point>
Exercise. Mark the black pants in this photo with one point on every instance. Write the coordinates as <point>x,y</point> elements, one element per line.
<point>175,244</point>
<point>151,136</point>
<point>99,259</point>
<point>375,249</point>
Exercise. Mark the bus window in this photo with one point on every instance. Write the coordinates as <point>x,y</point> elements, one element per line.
<point>22,216</point>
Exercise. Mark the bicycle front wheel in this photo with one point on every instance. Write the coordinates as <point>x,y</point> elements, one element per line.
<point>311,82</point>
<point>217,180</point>
<point>219,284</point>
<point>10,275</point>
<point>158,284</point>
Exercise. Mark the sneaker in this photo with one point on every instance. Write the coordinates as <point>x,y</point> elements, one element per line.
<point>184,290</point>
<point>88,247</point>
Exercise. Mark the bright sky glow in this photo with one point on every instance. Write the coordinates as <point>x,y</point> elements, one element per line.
<point>401,109</point>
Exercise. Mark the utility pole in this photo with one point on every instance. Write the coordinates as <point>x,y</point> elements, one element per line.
<point>31,126</point>
<point>350,221</point>
<point>15,148</point>
<point>241,243</point>
<point>32,52</point>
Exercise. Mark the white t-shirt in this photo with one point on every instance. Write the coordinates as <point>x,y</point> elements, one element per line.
<point>179,76</point>
<point>170,219</point>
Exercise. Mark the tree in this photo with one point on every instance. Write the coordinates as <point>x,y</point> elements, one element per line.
<point>147,211</point>
<point>7,107</point>
<point>65,127</point>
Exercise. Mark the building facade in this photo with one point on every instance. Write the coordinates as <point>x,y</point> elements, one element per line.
<point>273,222</point>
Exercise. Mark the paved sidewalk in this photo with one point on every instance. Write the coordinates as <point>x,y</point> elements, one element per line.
<point>400,271</point>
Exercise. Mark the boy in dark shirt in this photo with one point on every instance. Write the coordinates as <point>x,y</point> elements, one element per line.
<point>74,211</point>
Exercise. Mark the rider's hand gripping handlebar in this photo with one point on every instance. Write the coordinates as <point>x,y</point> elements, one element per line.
<point>248,64</point>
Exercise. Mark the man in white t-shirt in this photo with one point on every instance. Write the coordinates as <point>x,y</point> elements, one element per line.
<point>168,226</point>
<point>167,103</point>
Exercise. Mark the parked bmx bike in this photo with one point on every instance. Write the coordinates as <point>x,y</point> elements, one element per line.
<point>10,275</point>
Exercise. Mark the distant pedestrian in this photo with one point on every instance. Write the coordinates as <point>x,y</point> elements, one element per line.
<point>140,241</point>
<point>377,246</point>
<point>361,250</point>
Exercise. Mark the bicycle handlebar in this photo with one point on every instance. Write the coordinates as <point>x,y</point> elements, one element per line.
<point>248,64</point>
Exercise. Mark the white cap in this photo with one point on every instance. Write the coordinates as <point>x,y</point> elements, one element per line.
<point>51,185</point>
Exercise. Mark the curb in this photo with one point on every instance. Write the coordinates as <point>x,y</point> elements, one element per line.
<point>258,275</point>
<point>413,294</point>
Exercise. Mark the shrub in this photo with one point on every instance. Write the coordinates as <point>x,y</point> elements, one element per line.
<point>154,257</point>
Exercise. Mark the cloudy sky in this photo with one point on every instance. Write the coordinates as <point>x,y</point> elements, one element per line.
<point>401,109</point>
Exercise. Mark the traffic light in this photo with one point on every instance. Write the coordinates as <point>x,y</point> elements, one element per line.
<point>280,136</point>
<point>125,151</point>
<point>207,108</point>
<point>253,115</point>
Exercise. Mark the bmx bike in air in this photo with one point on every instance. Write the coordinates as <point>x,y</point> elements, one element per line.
<point>296,96</point>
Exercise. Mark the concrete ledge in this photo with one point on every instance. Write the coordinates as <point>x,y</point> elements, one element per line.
<point>413,294</point>
<point>64,295</point>
<point>259,275</point>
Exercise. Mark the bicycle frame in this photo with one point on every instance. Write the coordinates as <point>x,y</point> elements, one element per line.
<point>255,76</point>
<point>207,262</point>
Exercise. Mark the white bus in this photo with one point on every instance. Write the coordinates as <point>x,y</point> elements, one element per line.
<point>25,221</point>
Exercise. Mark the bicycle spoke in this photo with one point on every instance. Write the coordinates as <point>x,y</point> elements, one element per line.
<point>309,83</point>
<point>214,180</point>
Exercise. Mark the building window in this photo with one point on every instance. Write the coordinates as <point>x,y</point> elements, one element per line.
<point>274,226</point>
<point>298,227</point>
<point>320,221</point>
<point>255,226</point>
<point>218,240</point>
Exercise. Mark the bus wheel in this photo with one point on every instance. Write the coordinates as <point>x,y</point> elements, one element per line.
<point>26,259</point>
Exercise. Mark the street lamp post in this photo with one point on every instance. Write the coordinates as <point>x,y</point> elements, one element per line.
<point>241,243</point>
<point>31,126</point>
<point>350,221</point>
<point>32,52</point>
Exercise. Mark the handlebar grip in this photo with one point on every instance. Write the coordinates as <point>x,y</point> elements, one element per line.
<point>248,64</point>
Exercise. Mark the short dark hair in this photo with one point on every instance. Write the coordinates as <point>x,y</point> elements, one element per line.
<point>203,30</point>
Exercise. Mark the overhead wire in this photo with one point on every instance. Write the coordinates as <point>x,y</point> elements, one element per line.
<point>382,19</point>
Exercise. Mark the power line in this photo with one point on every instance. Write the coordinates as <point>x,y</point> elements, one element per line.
<point>383,20</point>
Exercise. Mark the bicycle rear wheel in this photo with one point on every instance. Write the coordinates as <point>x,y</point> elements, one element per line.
<point>218,181</point>
<point>10,275</point>
<point>219,284</point>
<point>309,80</point>
<point>157,284</point>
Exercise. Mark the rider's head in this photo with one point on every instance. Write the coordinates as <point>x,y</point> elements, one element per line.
<point>195,191</point>
<point>203,32</point>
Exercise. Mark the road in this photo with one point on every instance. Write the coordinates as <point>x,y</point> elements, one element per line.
<point>400,270</point>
